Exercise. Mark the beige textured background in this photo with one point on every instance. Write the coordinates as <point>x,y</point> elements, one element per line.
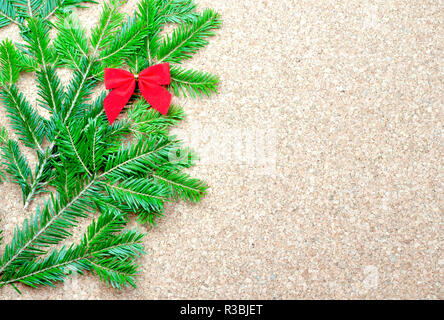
<point>324,155</point>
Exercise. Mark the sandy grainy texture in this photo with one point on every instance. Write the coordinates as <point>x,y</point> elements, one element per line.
<point>324,155</point>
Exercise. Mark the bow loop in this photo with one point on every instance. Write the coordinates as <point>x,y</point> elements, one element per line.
<point>123,84</point>
<point>158,74</point>
<point>115,78</point>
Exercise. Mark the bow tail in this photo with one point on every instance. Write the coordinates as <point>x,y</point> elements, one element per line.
<point>116,101</point>
<point>158,97</point>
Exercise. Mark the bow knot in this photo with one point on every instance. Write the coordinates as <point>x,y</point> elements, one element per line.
<point>123,84</point>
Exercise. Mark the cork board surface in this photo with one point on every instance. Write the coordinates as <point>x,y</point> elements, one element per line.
<point>323,150</point>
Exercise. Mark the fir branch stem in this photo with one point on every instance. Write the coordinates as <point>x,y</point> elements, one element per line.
<point>191,35</point>
<point>32,191</point>
<point>164,7</point>
<point>120,49</point>
<point>30,8</point>
<point>136,158</point>
<point>11,74</point>
<point>76,152</point>
<point>77,44</point>
<point>175,183</point>
<point>10,19</point>
<point>82,83</point>
<point>134,192</point>
<point>19,170</point>
<point>38,176</point>
<point>150,59</point>
<point>57,7</point>
<point>102,34</point>
<point>51,91</point>
<point>14,280</point>
<point>48,154</point>
<point>94,151</point>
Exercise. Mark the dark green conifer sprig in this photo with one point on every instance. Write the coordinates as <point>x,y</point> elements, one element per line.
<point>187,39</point>
<point>192,83</point>
<point>131,167</point>
<point>16,11</point>
<point>3,140</point>
<point>147,121</point>
<point>25,120</point>
<point>105,249</point>
<point>17,166</point>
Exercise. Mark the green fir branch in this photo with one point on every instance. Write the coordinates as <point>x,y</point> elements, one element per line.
<point>3,140</point>
<point>27,8</point>
<point>192,82</point>
<point>177,11</point>
<point>181,185</point>
<point>147,121</point>
<point>16,11</point>
<point>51,7</point>
<point>49,226</point>
<point>187,39</point>
<point>17,165</point>
<point>9,66</point>
<point>124,43</point>
<point>137,194</point>
<point>28,124</point>
<point>71,43</point>
<point>77,93</point>
<point>110,19</point>
<point>51,91</point>
<point>7,13</point>
<point>37,41</point>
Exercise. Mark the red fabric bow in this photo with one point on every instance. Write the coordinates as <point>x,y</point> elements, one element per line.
<point>123,84</point>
